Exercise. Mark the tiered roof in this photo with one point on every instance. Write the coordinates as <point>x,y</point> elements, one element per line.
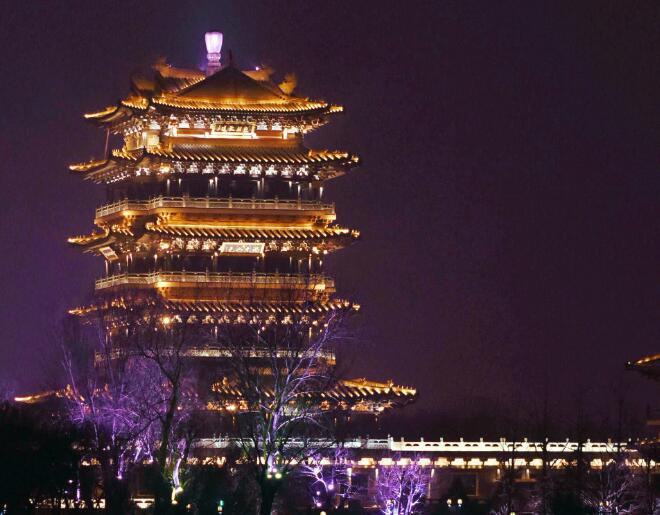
<point>229,91</point>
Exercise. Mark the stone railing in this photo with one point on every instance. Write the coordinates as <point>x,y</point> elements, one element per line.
<point>242,280</point>
<point>213,203</point>
<point>220,352</point>
<point>445,447</point>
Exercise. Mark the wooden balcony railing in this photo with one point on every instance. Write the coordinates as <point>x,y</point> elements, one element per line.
<point>229,279</point>
<point>213,203</point>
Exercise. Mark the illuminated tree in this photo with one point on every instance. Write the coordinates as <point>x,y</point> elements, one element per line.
<point>281,371</point>
<point>328,478</point>
<point>402,488</point>
<point>619,488</point>
<point>105,395</point>
<point>160,343</point>
<point>129,383</point>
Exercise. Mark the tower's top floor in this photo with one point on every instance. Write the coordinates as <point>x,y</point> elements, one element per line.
<point>179,123</point>
<point>221,103</point>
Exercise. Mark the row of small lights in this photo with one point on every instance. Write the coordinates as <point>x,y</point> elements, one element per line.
<point>139,126</point>
<point>255,171</point>
<point>241,169</point>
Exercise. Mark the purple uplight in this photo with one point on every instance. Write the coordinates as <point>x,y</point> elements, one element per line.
<point>213,47</point>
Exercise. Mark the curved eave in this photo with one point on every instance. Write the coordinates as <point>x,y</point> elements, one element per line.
<point>115,114</point>
<point>91,166</point>
<point>653,359</point>
<point>90,241</point>
<point>38,398</point>
<point>371,387</point>
<point>203,308</point>
<point>102,114</point>
<point>241,155</point>
<point>284,109</point>
<point>228,233</point>
<point>648,365</point>
<point>127,107</point>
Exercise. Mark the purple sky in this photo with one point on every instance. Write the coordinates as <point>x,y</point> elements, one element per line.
<point>508,199</point>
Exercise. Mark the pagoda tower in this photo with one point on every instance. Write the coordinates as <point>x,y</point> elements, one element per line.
<point>215,206</point>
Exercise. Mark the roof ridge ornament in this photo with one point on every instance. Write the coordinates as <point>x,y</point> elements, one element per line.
<point>213,42</point>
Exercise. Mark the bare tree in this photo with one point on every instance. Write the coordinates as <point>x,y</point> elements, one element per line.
<point>646,496</point>
<point>328,478</point>
<point>104,396</point>
<point>279,375</point>
<point>161,344</point>
<point>401,488</point>
<point>131,384</point>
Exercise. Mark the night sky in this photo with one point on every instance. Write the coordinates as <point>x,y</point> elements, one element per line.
<point>508,197</point>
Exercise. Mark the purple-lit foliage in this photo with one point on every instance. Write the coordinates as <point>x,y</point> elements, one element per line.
<point>160,344</point>
<point>105,395</point>
<point>130,383</point>
<point>402,487</point>
<point>328,477</point>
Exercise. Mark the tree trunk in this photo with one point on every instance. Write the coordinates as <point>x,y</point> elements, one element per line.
<point>268,493</point>
<point>114,490</point>
<point>163,501</point>
<point>163,496</point>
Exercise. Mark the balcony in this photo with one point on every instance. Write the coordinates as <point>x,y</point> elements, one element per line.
<point>226,280</point>
<point>144,206</point>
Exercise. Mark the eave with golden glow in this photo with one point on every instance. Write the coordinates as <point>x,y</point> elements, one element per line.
<point>648,366</point>
<point>220,309</point>
<point>267,233</point>
<point>358,395</point>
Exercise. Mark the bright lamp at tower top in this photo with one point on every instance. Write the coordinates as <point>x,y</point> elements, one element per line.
<point>213,47</point>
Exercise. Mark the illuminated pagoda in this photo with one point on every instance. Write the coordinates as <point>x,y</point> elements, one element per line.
<point>215,207</point>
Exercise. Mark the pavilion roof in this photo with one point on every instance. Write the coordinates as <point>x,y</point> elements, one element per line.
<point>226,91</point>
<point>230,83</point>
